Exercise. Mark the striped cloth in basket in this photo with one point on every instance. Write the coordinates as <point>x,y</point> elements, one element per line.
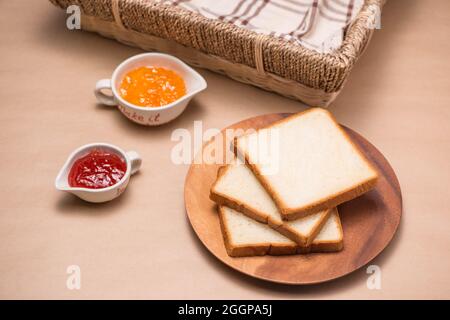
<point>316,24</point>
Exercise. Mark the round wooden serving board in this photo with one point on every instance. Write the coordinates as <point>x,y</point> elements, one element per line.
<point>369,222</point>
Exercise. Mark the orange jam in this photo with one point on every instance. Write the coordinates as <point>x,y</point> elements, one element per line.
<point>152,87</point>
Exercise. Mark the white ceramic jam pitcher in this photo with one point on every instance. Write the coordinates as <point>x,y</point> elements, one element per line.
<point>133,164</point>
<point>150,116</point>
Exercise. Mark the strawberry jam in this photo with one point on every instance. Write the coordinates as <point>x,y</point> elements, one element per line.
<point>98,169</point>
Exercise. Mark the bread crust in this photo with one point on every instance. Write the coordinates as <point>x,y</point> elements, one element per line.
<point>318,246</point>
<point>262,249</point>
<point>330,246</point>
<point>292,234</point>
<point>283,228</point>
<point>234,250</point>
<point>289,213</point>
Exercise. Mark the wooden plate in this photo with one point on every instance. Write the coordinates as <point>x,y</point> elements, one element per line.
<point>369,222</point>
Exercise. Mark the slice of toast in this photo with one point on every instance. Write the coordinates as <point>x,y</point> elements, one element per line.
<point>244,236</point>
<point>237,187</point>
<point>307,163</point>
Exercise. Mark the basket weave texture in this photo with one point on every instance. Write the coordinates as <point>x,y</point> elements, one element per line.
<point>262,60</point>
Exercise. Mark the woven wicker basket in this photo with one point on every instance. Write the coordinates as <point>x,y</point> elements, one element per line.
<point>264,61</point>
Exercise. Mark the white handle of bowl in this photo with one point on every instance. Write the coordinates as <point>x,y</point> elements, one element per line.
<point>103,98</point>
<point>136,161</point>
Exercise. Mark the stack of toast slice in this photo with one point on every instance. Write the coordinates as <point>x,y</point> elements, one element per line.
<point>290,208</point>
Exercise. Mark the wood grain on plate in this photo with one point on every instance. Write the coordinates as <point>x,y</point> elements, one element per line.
<point>369,222</point>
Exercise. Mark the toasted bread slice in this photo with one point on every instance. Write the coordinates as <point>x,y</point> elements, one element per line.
<point>312,164</point>
<point>244,236</point>
<point>238,188</point>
